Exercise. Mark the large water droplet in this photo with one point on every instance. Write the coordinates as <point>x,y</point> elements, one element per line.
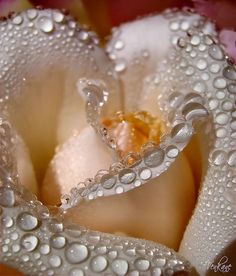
<point>154,158</point>
<point>120,266</point>
<point>194,110</point>
<point>172,151</point>
<point>142,264</point>
<point>218,157</point>
<point>55,261</point>
<point>98,264</point>
<point>127,176</point>
<point>76,272</point>
<point>215,52</point>
<point>145,174</point>
<point>32,13</point>
<point>76,253</point>
<point>7,221</point>
<point>232,158</point>
<point>27,221</point>
<point>219,83</point>
<point>17,20</point>
<point>181,133</point>
<point>45,24</point>
<point>58,16</point>
<point>229,72</point>
<point>29,242</point>
<point>57,241</point>
<point>108,181</point>
<point>231,88</point>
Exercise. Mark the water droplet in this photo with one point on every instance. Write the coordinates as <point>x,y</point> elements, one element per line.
<point>93,238</point>
<point>55,261</point>
<point>120,266</point>
<point>120,66</point>
<point>175,99</point>
<point>127,176</point>
<point>32,13</point>
<point>174,25</point>
<point>76,272</point>
<point>215,52</point>
<point>160,262</point>
<point>199,87</point>
<point>29,242</point>
<point>112,254</point>
<point>194,110</point>
<point>184,25</point>
<point>119,189</point>
<point>189,71</point>
<point>108,181</point>
<point>58,16</point>
<point>201,64</point>
<point>232,158</point>
<point>218,157</point>
<point>227,105</point>
<point>231,88</point>
<point>219,83</point>
<point>142,264</point>
<point>17,20</point>
<point>44,249</point>
<point>55,226</point>
<point>229,72</point>
<point>27,221</point>
<point>76,253</point>
<point>156,271</point>
<point>7,221</point>
<point>172,151</point>
<point>83,35</point>
<point>222,118</point>
<point>195,40</point>
<point>7,197</point>
<point>220,95</point>
<point>145,174</point>
<point>221,132</point>
<point>15,248</point>
<point>45,24</point>
<point>119,45</point>
<point>154,158</point>
<point>98,264</point>
<point>57,241</point>
<point>214,68</point>
<point>181,133</point>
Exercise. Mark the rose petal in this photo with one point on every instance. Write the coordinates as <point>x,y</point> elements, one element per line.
<point>222,12</point>
<point>228,38</point>
<point>7,6</point>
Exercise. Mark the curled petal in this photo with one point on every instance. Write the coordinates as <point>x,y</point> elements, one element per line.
<point>228,39</point>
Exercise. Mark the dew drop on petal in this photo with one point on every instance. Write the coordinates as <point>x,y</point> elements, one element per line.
<point>76,253</point>
<point>27,221</point>
<point>98,264</point>
<point>45,24</point>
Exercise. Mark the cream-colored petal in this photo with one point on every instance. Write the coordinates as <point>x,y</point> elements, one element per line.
<point>79,158</point>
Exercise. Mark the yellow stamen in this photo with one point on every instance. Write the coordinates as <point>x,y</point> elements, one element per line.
<point>132,130</point>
